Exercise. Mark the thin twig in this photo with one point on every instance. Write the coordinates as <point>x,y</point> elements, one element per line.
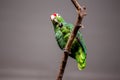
<point>81,14</point>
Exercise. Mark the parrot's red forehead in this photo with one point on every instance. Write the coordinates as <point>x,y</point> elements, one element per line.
<point>55,14</point>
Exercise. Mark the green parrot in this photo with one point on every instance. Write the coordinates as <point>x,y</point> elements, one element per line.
<point>62,32</point>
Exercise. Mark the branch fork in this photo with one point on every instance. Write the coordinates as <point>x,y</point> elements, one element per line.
<point>81,10</point>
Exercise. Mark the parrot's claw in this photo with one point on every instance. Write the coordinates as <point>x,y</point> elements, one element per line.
<point>66,51</point>
<point>81,26</point>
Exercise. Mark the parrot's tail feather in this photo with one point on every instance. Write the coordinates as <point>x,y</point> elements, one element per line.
<point>81,59</point>
<point>81,66</point>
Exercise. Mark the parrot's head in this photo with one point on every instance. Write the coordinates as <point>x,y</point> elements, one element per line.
<point>56,19</point>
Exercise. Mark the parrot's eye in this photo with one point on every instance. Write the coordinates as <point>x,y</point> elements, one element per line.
<point>60,25</point>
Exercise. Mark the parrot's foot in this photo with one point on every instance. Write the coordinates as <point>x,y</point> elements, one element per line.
<point>81,26</point>
<point>66,51</point>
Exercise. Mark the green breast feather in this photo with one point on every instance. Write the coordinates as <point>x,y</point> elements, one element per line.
<point>78,48</point>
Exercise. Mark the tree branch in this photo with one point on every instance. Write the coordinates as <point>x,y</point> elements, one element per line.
<point>81,13</point>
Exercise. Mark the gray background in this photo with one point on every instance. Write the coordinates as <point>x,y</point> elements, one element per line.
<point>28,50</point>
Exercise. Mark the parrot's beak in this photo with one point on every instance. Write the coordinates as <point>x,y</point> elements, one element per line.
<point>52,17</point>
